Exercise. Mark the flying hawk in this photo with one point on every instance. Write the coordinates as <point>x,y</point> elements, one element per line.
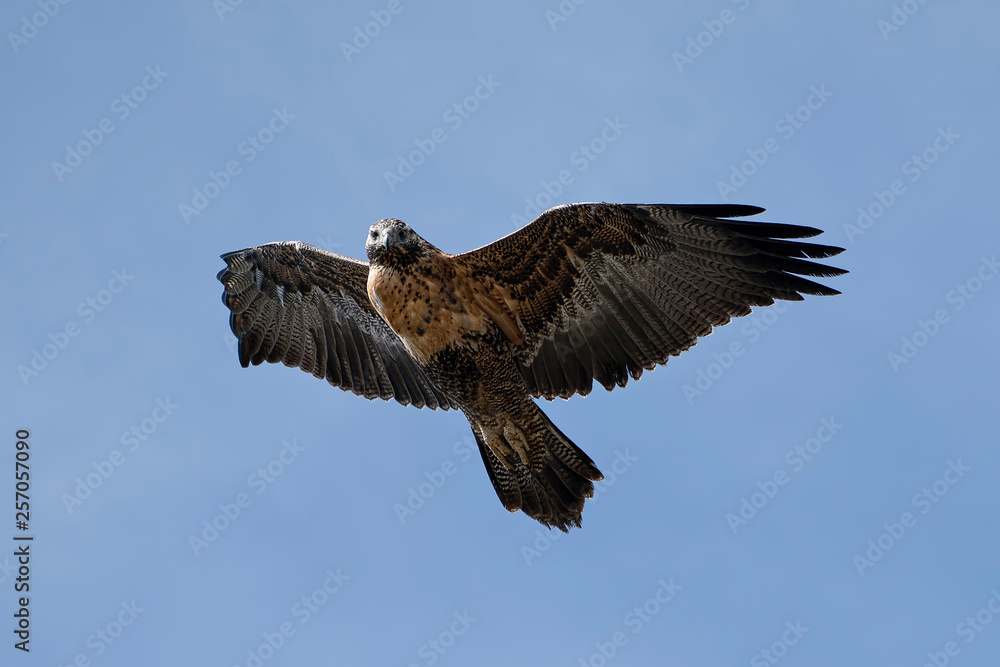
<point>585,292</point>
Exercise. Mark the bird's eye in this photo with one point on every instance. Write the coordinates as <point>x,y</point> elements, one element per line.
<point>374,234</point>
<point>402,234</point>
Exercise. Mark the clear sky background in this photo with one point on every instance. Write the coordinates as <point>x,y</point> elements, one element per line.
<point>812,110</point>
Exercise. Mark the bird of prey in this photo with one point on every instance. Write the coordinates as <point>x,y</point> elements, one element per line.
<point>585,292</point>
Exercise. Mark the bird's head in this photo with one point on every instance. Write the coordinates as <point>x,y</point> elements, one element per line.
<point>392,243</point>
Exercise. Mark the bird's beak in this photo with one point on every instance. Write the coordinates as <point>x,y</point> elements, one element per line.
<point>388,238</point>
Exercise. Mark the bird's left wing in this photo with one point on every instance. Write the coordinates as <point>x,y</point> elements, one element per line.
<point>602,291</point>
<point>309,308</point>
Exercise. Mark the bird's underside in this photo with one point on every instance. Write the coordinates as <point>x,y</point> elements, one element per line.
<point>585,292</point>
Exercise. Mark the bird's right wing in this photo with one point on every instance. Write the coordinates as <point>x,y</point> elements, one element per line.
<point>309,308</point>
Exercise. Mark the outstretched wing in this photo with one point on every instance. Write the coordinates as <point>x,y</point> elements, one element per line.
<point>603,291</point>
<point>309,308</point>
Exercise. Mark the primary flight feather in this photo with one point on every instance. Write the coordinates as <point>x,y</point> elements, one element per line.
<point>585,292</point>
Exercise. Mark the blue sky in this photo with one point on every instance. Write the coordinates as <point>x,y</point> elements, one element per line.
<point>815,484</point>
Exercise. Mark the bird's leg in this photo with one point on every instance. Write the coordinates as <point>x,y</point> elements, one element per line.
<point>506,440</point>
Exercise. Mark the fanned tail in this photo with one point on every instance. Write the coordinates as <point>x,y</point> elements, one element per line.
<point>557,478</point>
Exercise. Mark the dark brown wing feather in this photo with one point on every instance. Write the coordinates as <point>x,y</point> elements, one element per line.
<point>309,308</point>
<point>603,291</point>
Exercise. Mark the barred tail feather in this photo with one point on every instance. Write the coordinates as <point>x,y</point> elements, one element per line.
<point>554,484</point>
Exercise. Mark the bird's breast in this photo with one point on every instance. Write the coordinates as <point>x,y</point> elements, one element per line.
<point>429,306</point>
